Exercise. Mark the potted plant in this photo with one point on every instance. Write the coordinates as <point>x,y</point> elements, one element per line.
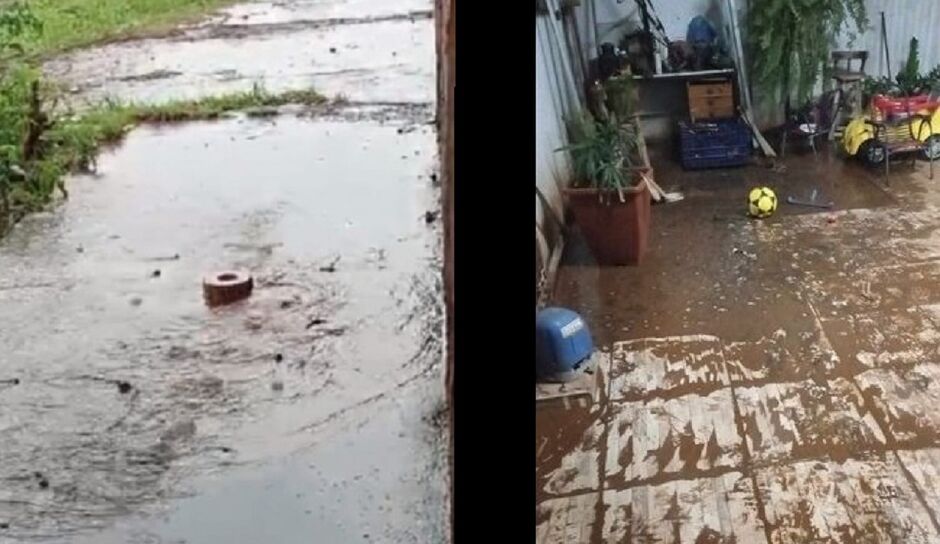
<point>909,82</point>
<point>609,197</point>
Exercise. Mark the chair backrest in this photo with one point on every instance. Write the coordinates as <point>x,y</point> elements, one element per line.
<point>842,60</point>
<point>817,111</point>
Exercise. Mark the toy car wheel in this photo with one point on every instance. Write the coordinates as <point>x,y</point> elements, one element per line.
<point>873,153</point>
<point>932,148</point>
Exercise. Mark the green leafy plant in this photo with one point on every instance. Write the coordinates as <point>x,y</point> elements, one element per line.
<point>18,24</point>
<point>76,23</point>
<point>879,85</point>
<point>18,87</point>
<point>790,41</point>
<point>933,77</point>
<point>602,152</point>
<point>620,96</point>
<point>909,79</point>
<point>908,82</point>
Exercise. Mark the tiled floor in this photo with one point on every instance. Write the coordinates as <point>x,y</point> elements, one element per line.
<point>774,381</point>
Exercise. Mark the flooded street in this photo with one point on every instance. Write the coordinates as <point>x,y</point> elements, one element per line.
<point>129,411</point>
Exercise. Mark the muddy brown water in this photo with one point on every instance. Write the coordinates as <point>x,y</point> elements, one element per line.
<point>312,408</point>
<point>807,342</point>
<point>708,264</point>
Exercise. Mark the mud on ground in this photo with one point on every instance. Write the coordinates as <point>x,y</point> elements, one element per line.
<point>768,380</point>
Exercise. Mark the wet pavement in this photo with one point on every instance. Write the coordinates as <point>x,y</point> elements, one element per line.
<point>365,50</point>
<point>766,381</point>
<point>312,410</point>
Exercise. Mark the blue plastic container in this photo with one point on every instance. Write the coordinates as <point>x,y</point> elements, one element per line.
<point>713,144</point>
<point>562,344</point>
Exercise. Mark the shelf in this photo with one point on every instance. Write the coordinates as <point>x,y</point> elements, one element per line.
<point>660,113</point>
<point>679,75</point>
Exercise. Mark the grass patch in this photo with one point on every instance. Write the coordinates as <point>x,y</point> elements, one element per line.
<point>39,146</point>
<point>75,142</point>
<point>74,23</point>
<point>71,144</point>
<point>213,106</point>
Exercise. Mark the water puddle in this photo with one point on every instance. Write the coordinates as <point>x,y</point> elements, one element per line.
<point>365,51</point>
<point>133,396</point>
<point>269,13</point>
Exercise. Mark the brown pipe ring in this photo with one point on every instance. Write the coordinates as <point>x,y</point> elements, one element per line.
<point>226,287</point>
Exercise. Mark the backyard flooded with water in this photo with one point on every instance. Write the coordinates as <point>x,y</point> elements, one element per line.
<point>132,412</point>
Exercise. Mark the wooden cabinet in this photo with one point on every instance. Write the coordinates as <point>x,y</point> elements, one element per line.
<point>710,99</point>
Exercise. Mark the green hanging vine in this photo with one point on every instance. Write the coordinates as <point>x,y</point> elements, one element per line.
<point>790,40</point>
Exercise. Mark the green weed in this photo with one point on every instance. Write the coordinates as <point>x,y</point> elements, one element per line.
<point>75,23</point>
<point>71,143</point>
<point>38,148</point>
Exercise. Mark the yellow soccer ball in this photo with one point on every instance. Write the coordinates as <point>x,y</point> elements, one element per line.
<point>761,202</point>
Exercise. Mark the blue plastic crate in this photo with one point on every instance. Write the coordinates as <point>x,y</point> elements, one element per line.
<point>713,144</point>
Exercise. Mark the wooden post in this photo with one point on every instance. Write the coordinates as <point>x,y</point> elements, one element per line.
<point>445,44</point>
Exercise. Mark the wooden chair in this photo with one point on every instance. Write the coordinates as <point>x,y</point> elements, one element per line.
<point>847,100</point>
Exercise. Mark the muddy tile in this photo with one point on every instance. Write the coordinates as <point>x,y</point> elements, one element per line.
<point>850,502</point>
<point>575,469</point>
<point>879,339</point>
<point>878,288</point>
<point>924,467</point>
<point>769,359</point>
<point>710,510</point>
<point>670,366</point>
<point>567,441</point>
<point>906,400</point>
<point>688,435</point>
<point>806,419</point>
<point>755,361</point>
<point>568,520</point>
<point>932,313</point>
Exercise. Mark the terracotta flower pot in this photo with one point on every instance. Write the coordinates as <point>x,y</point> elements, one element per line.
<point>617,232</point>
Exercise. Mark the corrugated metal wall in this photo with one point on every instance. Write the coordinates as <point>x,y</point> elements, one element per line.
<point>555,98</point>
<point>904,19</point>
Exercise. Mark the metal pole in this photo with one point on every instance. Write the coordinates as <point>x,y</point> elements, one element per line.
<point>596,46</point>
<point>742,69</point>
<point>884,39</point>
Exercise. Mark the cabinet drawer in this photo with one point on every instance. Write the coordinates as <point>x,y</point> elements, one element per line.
<point>711,89</point>
<point>712,102</point>
<point>717,107</point>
